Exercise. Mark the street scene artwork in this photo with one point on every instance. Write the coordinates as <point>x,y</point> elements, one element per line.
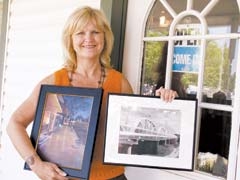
<point>146,131</point>
<point>149,131</point>
<point>64,129</point>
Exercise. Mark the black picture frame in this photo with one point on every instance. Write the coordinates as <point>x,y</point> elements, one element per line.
<point>64,127</point>
<point>145,131</point>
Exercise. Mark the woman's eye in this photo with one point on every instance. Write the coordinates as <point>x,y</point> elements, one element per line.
<point>80,33</point>
<point>95,32</point>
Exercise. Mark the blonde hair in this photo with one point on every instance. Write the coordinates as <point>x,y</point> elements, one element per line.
<point>79,19</point>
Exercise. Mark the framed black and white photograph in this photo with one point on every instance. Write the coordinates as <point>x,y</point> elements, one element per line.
<point>64,128</point>
<point>146,131</point>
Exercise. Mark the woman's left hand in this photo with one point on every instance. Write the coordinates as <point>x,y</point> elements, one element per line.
<point>166,94</point>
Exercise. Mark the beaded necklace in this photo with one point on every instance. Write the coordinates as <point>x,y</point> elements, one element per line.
<point>102,76</point>
<point>101,79</point>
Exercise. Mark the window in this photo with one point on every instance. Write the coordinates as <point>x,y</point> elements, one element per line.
<point>192,47</point>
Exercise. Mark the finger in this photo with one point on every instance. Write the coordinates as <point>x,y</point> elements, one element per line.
<point>172,96</point>
<point>167,96</point>
<point>163,94</point>
<point>60,172</point>
<point>158,91</point>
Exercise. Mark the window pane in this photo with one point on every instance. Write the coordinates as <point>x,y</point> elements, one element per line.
<point>189,20</point>
<point>154,71</point>
<point>178,6</point>
<point>153,55</point>
<point>200,5</point>
<point>219,71</point>
<point>214,142</point>
<point>158,21</point>
<point>224,13</point>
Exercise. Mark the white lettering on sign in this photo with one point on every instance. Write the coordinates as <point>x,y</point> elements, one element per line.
<point>182,58</point>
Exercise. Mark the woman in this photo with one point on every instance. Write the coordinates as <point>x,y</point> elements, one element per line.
<point>87,42</point>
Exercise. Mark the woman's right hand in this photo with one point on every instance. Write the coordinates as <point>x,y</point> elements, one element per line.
<point>48,171</point>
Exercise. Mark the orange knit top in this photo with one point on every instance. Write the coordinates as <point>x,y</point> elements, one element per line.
<point>112,83</point>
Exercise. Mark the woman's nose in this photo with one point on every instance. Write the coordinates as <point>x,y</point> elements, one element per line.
<point>88,35</point>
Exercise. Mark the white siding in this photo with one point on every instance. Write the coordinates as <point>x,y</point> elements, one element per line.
<point>33,51</point>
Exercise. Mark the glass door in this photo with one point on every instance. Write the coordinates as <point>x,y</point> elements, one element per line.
<point>192,47</point>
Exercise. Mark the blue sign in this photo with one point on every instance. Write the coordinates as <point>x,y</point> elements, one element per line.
<point>186,59</point>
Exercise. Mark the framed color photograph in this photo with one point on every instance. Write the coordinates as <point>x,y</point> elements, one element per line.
<point>145,131</point>
<point>64,128</point>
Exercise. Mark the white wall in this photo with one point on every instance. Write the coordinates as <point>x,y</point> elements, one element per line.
<point>33,51</point>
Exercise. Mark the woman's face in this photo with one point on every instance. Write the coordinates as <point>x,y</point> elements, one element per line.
<point>88,42</point>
